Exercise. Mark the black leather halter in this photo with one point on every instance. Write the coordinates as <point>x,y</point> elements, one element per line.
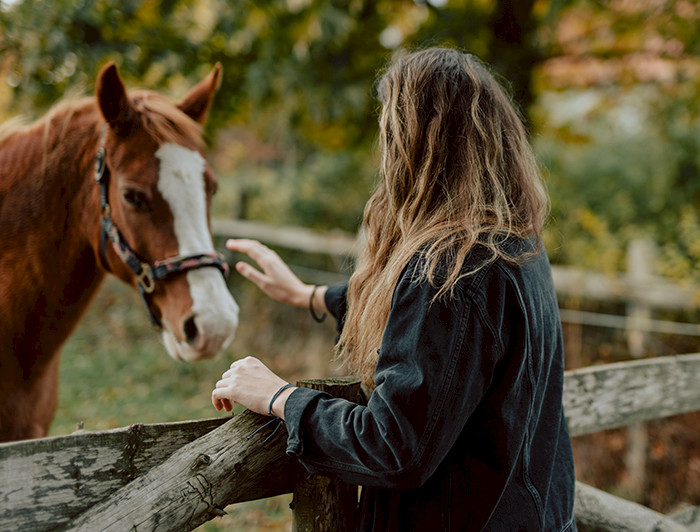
<point>146,274</point>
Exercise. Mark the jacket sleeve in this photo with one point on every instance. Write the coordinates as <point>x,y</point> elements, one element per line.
<point>435,363</point>
<point>336,303</point>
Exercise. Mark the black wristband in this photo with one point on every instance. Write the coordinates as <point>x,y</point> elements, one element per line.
<point>316,317</point>
<point>277,394</point>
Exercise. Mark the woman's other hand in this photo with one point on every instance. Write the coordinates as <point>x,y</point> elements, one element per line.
<point>252,384</point>
<point>276,279</point>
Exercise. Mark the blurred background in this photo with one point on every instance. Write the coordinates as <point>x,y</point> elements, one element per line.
<point>610,91</point>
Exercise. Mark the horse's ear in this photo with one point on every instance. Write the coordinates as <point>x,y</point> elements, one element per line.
<point>197,102</point>
<point>113,100</point>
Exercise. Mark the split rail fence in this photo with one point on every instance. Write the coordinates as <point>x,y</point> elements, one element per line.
<point>176,476</point>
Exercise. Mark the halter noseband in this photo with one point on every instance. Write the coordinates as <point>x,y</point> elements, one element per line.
<point>146,274</point>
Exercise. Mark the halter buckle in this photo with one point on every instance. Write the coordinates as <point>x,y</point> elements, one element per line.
<point>145,279</point>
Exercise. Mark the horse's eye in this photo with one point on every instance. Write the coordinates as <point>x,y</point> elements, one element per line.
<point>137,200</point>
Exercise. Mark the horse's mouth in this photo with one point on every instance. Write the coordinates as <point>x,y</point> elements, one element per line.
<point>187,353</point>
<point>209,324</point>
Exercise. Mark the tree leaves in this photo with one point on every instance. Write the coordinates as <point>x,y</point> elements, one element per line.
<point>299,79</point>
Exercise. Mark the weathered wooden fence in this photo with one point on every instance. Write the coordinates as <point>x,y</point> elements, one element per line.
<point>176,476</point>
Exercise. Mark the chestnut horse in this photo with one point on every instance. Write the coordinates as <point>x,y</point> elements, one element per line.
<point>113,184</point>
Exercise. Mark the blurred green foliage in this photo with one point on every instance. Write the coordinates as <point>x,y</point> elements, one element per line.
<point>618,125</point>
<point>612,182</point>
<point>610,91</point>
<point>298,76</point>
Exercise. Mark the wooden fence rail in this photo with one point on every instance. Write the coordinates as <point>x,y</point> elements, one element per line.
<point>616,395</point>
<point>176,476</point>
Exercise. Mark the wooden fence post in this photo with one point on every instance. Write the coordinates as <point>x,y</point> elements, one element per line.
<point>321,504</point>
<point>640,268</point>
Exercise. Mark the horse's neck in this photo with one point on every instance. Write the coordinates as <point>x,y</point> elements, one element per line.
<point>45,179</point>
<point>49,215</point>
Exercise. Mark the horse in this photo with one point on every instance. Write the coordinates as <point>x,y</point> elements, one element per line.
<point>114,183</point>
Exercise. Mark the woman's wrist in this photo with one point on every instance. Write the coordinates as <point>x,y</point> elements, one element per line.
<point>279,400</point>
<point>318,318</point>
<point>302,298</point>
<point>316,300</point>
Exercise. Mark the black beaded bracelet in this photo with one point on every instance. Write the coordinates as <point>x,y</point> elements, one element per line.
<point>277,394</point>
<point>316,317</point>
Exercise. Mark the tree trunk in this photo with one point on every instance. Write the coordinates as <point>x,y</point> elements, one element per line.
<point>512,50</point>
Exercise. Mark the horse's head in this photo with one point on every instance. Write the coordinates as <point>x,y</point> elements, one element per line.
<point>156,189</point>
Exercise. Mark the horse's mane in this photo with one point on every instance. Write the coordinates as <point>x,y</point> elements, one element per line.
<point>12,126</point>
<point>159,117</point>
<point>163,121</point>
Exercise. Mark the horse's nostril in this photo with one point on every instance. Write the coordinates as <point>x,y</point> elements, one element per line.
<point>190,330</point>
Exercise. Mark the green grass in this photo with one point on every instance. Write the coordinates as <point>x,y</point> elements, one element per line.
<point>115,371</point>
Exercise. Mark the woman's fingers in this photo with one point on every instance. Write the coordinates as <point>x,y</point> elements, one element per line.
<point>266,258</point>
<point>240,244</point>
<point>220,403</point>
<point>254,249</point>
<point>250,273</point>
<point>247,382</point>
<point>276,279</point>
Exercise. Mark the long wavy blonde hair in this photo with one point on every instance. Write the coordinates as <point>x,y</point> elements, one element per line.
<point>456,167</point>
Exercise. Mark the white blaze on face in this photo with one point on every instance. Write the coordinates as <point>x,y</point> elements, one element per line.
<point>181,183</point>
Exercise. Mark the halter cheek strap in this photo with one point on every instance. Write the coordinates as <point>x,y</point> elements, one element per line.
<point>146,274</point>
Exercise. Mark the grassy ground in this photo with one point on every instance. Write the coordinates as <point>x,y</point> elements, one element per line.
<point>115,372</point>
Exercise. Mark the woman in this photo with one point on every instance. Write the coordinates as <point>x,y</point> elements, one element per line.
<point>450,318</point>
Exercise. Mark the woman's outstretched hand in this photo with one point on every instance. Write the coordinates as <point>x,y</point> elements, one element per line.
<point>276,279</point>
<point>252,384</point>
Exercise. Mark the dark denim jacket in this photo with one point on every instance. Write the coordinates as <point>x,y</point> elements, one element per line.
<point>465,429</point>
